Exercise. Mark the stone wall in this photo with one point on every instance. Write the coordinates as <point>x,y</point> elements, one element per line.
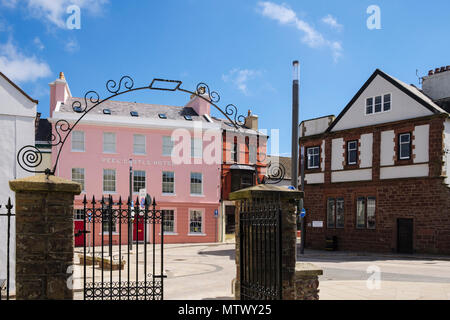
<point>44,237</point>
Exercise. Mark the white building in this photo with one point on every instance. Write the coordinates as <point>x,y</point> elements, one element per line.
<point>17,128</point>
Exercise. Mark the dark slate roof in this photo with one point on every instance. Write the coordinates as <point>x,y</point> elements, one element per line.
<point>145,110</point>
<point>44,130</point>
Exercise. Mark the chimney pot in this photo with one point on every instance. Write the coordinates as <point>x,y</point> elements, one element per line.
<point>448,68</point>
<point>430,73</point>
<point>442,69</point>
<point>61,76</point>
<point>437,70</point>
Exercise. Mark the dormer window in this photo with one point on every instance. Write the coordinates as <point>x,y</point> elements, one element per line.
<point>162,116</point>
<point>106,111</point>
<point>134,114</point>
<point>378,104</point>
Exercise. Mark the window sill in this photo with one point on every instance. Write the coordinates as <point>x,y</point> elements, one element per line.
<point>170,233</point>
<point>196,234</point>
<point>169,194</point>
<point>107,234</point>
<point>78,151</point>
<point>198,195</point>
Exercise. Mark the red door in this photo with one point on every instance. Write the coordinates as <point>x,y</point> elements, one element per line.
<point>79,236</point>
<point>138,231</point>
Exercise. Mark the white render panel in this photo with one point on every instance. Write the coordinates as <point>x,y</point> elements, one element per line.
<point>351,175</point>
<point>315,126</point>
<point>13,102</point>
<point>402,107</point>
<point>366,150</point>
<point>421,142</point>
<point>322,165</point>
<point>337,154</point>
<point>414,171</point>
<point>387,148</point>
<point>314,178</point>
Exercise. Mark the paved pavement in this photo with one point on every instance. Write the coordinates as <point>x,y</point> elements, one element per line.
<point>206,271</point>
<point>194,271</point>
<point>354,276</point>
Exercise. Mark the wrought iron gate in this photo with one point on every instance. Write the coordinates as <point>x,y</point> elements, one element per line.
<point>115,266</point>
<point>5,283</point>
<point>260,248</point>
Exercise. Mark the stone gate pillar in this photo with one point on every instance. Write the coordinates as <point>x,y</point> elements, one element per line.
<point>44,237</point>
<point>288,201</point>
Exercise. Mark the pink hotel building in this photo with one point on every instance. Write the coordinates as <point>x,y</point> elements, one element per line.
<point>100,147</point>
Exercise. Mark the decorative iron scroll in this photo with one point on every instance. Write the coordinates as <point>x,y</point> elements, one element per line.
<point>30,157</point>
<point>275,173</point>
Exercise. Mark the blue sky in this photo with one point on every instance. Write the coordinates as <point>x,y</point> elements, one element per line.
<point>242,49</point>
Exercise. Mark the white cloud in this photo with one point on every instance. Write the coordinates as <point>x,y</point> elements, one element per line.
<point>240,78</point>
<point>9,3</point>
<point>54,11</point>
<point>332,22</point>
<point>311,37</point>
<point>71,46</point>
<point>38,43</point>
<point>20,68</point>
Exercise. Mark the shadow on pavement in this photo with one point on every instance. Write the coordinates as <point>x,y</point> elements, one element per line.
<point>223,253</point>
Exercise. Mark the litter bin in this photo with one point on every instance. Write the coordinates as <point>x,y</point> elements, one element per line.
<point>331,243</point>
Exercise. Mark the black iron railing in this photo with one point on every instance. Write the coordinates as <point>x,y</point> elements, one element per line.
<point>260,248</point>
<point>108,256</point>
<point>5,283</point>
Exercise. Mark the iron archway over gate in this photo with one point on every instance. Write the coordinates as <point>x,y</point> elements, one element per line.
<point>110,212</point>
<point>29,157</point>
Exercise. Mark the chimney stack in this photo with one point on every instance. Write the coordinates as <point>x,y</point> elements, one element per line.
<point>59,92</point>
<point>251,121</point>
<point>437,86</point>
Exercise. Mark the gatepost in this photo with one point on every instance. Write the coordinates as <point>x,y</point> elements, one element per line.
<point>44,237</point>
<point>299,280</point>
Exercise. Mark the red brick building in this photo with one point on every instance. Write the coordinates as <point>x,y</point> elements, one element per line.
<point>244,162</point>
<point>376,177</point>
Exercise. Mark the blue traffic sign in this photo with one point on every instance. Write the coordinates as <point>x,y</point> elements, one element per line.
<point>303,213</point>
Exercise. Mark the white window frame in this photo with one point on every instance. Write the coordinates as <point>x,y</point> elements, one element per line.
<point>80,181</point>
<point>308,155</point>
<point>162,184</point>
<point>382,104</point>
<point>201,233</point>
<point>174,232</point>
<point>145,180</point>
<point>135,144</point>
<point>74,133</point>
<point>350,150</point>
<point>400,143</point>
<point>106,144</point>
<point>166,146</point>
<point>196,148</point>
<point>201,184</point>
<point>234,152</point>
<point>115,181</point>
